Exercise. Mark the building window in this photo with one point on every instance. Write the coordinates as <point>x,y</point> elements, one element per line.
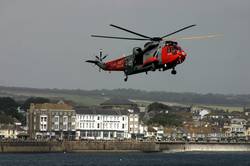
<point>56,122</point>
<point>56,127</point>
<point>65,119</point>
<point>43,122</point>
<point>98,118</point>
<point>56,119</point>
<point>73,119</point>
<point>65,123</point>
<point>122,126</point>
<point>98,125</point>
<point>123,118</point>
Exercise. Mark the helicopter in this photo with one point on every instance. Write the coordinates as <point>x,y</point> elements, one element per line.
<point>157,54</point>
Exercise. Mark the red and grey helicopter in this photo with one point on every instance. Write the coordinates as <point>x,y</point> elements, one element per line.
<point>157,54</point>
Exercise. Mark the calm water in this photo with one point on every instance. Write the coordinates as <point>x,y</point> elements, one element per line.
<point>123,159</point>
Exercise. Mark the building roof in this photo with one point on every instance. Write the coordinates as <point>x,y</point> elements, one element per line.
<point>202,130</point>
<point>119,101</point>
<point>238,121</point>
<point>61,106</point>
<point>10,127</point>
<point>100,111</point>
<point>151,129</point>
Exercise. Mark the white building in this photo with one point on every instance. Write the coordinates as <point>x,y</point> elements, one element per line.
<point>97,123</point>
<point>203,113</point>
<point>237,128</point>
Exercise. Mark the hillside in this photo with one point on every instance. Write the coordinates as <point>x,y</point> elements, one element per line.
<point>93,97</point>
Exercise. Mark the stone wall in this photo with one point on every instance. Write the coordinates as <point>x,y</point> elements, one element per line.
<point>84,146</point>
<point>22,147</point>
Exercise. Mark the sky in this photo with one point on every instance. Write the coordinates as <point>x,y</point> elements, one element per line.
<point>44,43</point>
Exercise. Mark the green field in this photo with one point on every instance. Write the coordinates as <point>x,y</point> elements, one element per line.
<point>219,107</point>
<point>80,100</point>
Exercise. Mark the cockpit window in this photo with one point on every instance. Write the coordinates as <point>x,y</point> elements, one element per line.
<point>169,50</point>
<point>177,48</point>
<point>173,49</point>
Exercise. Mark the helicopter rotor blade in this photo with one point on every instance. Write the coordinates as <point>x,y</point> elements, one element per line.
<point>114,37</point>
<point>100,56</point>
<point>178,30</point>
<point>197,37</point>
<point>97,57</point>
<point>135,33</point>
<point>104,57</point>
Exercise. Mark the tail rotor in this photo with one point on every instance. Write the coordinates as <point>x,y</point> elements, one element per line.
<point>98,60</point>
<point>101,57</point>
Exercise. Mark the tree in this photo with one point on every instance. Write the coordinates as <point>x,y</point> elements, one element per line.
<point>8,110</point>
<point>166,120</point>
<point>158,107</point>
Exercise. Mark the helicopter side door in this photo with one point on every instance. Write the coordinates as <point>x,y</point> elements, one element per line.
<point>129,65</point>
<point>138,56</point>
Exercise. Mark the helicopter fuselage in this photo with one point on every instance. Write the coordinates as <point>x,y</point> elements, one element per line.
<point>162,56</point>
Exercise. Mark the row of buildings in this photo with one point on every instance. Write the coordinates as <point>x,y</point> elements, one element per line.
<point>61,121</point>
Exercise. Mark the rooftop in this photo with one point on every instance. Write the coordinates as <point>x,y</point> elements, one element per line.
<point>10,127</point>
<point>61,106</point>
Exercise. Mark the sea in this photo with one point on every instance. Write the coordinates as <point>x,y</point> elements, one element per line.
<point>126,159</point>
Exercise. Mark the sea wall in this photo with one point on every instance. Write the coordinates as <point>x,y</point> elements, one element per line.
<point>80,146</point>
<point>30,147</point>
<point>114,146</point>
<point>208,147</point>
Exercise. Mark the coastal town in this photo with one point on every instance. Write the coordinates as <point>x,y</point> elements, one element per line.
<point>122,119</point>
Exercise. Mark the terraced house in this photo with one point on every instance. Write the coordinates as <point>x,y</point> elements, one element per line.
<point>50,120</point>
<point>98,123</point>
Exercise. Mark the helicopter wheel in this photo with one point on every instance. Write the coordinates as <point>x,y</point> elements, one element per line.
<point>126,79</point>
<point>173,72</point>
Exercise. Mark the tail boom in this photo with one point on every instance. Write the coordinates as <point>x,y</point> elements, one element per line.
<point>97,63</point>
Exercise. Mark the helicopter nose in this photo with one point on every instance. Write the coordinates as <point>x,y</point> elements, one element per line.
<point>183,53</point>
<point>182,56</point>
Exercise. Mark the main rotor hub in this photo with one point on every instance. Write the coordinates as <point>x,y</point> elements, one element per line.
<point>169,42</point>
<point>156,39</point>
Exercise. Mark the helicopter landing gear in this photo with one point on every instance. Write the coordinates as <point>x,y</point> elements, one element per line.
<point>153,67</point>
<point>173,72</point>
<point>126,78</point>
